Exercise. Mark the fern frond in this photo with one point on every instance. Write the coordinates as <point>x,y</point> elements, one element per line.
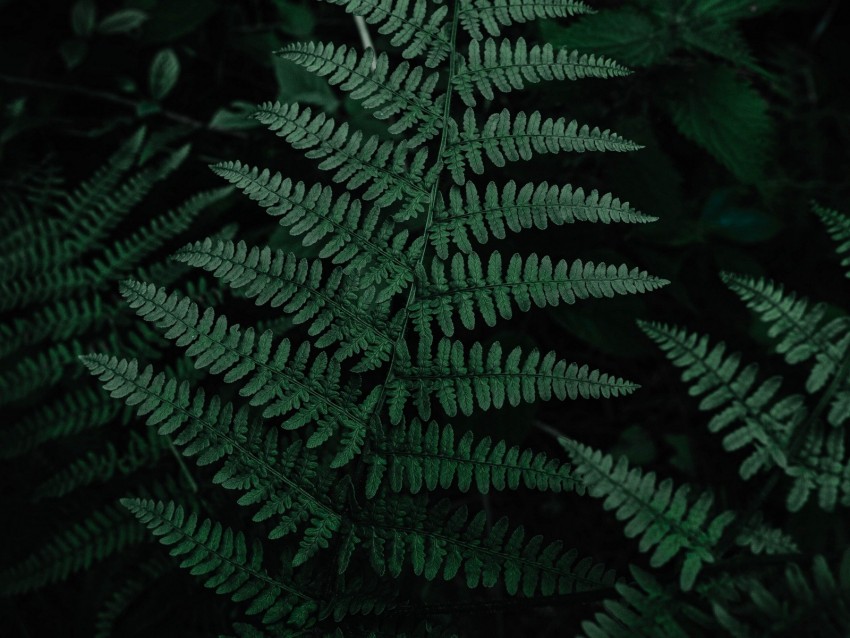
<point>224,561</point>
<point>253,462</point>
<point>337,311</point>
<point>645,609</point>
<point>102,466</point>
<point>798,326</point>
<point>282,382</point>
<point>470,290</point>
<point>374,250</point>
<point>401,92</point>
<point>54,284</point>
<point>123,256</point>
<point>510,137</point>
<point>513,208</point>
<point>838,226</point>
<point>761,538</point>
<point>71,413</point>
<point>419,28</point>
<point>765,419</point>
<point>511,65</point>
<point>480,16</point>
<point>440,541</point>
<point>37,372</point>
<point>823,465</point>
<point>418,457</point>
<point>55,322</point>
<point>382,167</point>
<point>79,546</point>
<point>462,380</point>
<point>664,518</point>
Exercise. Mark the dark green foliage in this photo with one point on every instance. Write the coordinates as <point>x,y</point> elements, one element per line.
<point>342,417</point>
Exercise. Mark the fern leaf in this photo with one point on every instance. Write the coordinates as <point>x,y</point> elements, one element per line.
<point>462,381</point>
<point>382,166</point>
<point>663,518</point>
<point>798,327</point>
<point>69,414</point>
<point>403,92</point>
<point>37,372</point>
<point>280,381</point>
<point>479,16</point>
<point>336,310</point>
<point>510,137</point>
<point>493,292</point>
<point>440,541</point>
<point>253,463</point>
<point>376,251</point>
<point>122,597</point>
<point>102,466</point>
<point>838,226</point>
<point>765,420</point>
<point>417,457</point>
<point>512,65</point>
<point>79,546</point>
<point>645,609</point>
<point>223,559</point>
<point>419,28</point>
<point>513,208</point>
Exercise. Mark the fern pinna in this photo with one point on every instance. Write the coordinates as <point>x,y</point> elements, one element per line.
<point>338,441</point>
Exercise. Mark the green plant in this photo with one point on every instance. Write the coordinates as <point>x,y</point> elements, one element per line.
<point>329,439</point>
<point>789,437</point>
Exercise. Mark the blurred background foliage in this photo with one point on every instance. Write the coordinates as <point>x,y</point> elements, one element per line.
<point>743,107</point>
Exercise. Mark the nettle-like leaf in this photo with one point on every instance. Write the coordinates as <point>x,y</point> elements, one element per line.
<point>666,520</point>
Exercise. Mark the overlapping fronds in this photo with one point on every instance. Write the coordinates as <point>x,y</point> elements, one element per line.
<point>403,93</point>
<point>335,308</point>
<point>385,168</point>
<point>838,226</point>
<point>364,243</point>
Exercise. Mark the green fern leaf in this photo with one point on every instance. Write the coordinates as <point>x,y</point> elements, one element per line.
<point>510,137</point>
<point>838,226</point>
<point>375,251</point>
<point>418,29</point>
<point>478,16</point>
<point>663,518</point>
<point>337,310</point>
<point>382,165</point>
<point>471,290</point>
<point>462,381</point>
<point>511,65</point>
<point>514,209</point>
<point>404,92</point>
<point>440,541</point>
<point>416,457</point>
<point>797,326</point>
<point>223,559</point>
